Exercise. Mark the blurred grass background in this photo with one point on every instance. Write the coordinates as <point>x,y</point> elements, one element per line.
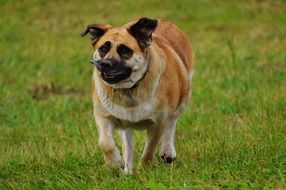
<point>232,136</point>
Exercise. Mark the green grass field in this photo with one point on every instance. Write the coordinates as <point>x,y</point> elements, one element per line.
<point>232,135</point>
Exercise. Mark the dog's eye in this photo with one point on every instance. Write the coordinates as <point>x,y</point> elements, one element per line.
<point>104,48</point>
<point>124,51</point>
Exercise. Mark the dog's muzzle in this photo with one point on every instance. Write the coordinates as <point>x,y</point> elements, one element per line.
<point>112,71</point>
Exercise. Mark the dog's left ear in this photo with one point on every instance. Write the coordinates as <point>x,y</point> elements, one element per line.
<point>96,31</point>
<point>142,31</point>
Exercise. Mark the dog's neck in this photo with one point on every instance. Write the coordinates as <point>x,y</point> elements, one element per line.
<point>147,62</point>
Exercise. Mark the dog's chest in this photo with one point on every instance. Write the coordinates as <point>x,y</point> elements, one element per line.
<point>132,111</point>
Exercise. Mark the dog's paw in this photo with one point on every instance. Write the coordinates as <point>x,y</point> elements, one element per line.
<point>127,170</point>
<point>147,162</point>
<point>114,161</point>
<point>168,158</point>
<point>168,154</point>
<point>115,164</point>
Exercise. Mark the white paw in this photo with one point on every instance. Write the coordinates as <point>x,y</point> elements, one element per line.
<point>168,154</point>
<point>127,169</point>
<point>113,160</point>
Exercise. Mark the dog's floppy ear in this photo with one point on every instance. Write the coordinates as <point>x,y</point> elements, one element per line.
<point>96,31</point>
<point>142,31</point>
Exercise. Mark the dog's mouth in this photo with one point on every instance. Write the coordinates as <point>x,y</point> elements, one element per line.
<point>113,78</point>
<point>114,72</point>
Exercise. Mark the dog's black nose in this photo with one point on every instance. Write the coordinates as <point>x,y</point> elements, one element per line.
<point>106,64</point>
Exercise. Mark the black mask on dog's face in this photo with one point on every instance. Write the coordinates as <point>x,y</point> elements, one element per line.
<point>113,57</point>
<point>113,70</point>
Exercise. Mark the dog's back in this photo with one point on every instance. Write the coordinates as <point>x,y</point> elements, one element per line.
<point>176,49</point>
<point>166,32</point>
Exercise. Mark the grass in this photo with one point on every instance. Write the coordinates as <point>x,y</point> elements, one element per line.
<point>232,136</point>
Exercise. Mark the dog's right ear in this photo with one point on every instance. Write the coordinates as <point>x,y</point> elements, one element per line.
<point>96,31</point>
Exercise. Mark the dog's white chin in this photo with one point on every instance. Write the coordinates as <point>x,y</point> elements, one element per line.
<point>121,84</point>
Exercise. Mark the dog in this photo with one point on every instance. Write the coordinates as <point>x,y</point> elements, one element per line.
<point>141,80</point>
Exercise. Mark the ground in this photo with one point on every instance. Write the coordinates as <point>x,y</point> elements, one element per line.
<point>231,136</point>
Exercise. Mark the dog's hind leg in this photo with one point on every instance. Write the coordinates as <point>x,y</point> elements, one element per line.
<point>127,149</point>
<point>111,153</point>
<point>152,141</point>
<point>168,152</point>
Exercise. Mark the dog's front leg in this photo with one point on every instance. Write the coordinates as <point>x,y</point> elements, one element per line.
<point>111,153</point>
<point>127,149</point>
<point>152,141</point>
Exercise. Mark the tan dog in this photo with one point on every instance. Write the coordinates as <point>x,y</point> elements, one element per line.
<point>142,80</point>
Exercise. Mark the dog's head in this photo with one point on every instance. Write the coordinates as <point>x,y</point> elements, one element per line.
<point>121,53</point>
